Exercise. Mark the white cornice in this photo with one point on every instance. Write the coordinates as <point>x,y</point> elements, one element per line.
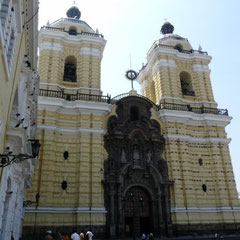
<point>69,88</point>
<point>65,210</point>
<point>204,209</point>
<point>186,101</point>
<point>75,107</point>
<point>71,130</point>
<point>189,138</point>
<point>201,68</point>
<point>192,118</point>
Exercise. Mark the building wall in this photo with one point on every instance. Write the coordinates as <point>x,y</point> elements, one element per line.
<point>19,84</point>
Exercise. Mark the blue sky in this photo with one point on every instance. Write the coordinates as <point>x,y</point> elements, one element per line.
<point>131,26</point>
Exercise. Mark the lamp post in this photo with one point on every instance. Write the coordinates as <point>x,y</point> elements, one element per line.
<point>9,158</point>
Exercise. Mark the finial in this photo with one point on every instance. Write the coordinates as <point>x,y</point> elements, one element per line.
<point>199,48</point>
<point>167,27</point>
<point>74,12</point>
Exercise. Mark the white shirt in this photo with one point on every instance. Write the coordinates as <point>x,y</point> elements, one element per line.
<point>90,235</point>
<point>75,236</point>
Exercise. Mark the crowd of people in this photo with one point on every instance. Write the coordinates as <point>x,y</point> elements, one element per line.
<point>74,236</point>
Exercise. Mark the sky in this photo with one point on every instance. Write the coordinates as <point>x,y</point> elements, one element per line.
<point>131,26</point>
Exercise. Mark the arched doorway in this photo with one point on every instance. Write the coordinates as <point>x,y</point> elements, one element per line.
<point>137,212</point>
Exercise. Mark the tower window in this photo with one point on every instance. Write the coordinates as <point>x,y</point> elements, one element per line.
<point>70,69</point>
<point>179,47</point>
<point>186,84</point>
<point>72,31</point>
<point>134,114</point>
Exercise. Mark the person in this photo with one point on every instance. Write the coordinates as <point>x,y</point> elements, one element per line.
<point>81,235</point>
<point>65,236</point>
<point>151,236</point>
<point>144,236</point>
<point>48,237</point>
<point>89,234</point>
<point>75,235</point>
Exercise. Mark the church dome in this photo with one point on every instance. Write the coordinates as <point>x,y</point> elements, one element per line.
<point>167,28</point>
<point>73,12</point>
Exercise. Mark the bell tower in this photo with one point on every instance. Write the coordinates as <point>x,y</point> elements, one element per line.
<point>175,72</point>
<point>177,79</point>
<point>70,55</point>
<point>71,112</point>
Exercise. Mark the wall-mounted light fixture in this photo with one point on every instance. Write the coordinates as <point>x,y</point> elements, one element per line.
<point>29,203</point>
<point>9,158</point>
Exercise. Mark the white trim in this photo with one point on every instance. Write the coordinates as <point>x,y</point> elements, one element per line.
<point>201,68</point>
<point>71,129</point>
<point>191,118</point>
<point>187,101</point>
<point>90,52</point>
<point>60,210</point>
<point>79,106</point>
<point>70,88</point>
<point>68,121</point>
<point>196,139</point>
<point>163,63</point>
<point>50,46</point>
<point>204,209</point>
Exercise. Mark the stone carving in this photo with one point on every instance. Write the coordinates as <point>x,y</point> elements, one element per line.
<point>140,139</point>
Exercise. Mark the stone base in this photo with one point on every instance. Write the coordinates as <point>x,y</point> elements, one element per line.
<point>38,232</point>
<point>177,230</point>
<point>205,229</point>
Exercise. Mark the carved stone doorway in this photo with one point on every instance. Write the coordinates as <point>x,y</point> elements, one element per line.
<point>137,212</point>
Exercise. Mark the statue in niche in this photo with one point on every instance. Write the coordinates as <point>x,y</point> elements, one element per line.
<point>149,156</point>
<point>136,155</point>
<point>123,156</point>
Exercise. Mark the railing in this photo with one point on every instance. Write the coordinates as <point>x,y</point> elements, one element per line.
<point>56,29</point>
<point>109,100</point>
<point>181,50</point>
<point>74,97</point>
<point>187,107</point>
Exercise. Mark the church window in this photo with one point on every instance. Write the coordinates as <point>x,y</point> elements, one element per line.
<point>64,185</point>
<point>200,161</point>
<point>204,187</point>
<point>66,155</point>
<point>134,113</point>
<point>70,68</point>
<point>72,31</point>
<point>186,84</point>
<point>179,47</point>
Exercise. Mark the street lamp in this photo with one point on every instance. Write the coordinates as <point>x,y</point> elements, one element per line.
<point>9,158</point>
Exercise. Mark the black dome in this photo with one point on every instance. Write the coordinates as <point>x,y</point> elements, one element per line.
<point>167,27</point>
<point>73,12</point>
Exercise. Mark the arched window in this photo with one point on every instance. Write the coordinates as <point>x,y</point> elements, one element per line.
<point>179,47</point>
<point>72,31</point>
<point>70,69</point>
<point>186,84</point>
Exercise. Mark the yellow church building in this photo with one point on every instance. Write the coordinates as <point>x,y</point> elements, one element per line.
<point>157,162</point>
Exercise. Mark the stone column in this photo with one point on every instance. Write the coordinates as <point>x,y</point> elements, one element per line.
<point>112,209</point>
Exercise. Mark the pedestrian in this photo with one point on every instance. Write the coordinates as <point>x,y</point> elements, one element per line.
<point>48,237</point>
<point>151,236</point>
<point>65,236</point>
<point>75,235</point>
<point>81,235</point>
<point>89,234</point>
<point>144,236</point>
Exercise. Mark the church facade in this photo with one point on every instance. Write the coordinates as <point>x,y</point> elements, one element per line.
<point>157,162</point>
